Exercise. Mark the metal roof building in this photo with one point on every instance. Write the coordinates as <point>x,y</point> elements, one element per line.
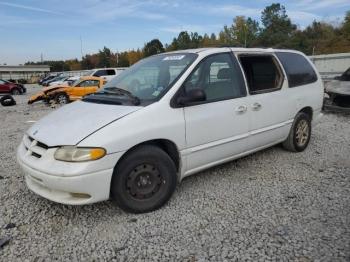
<point>26,72</point>
<point>331,65</point>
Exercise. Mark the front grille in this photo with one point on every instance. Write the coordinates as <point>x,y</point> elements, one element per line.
<point>36,155</point>
<point>42,145</point>
<point>34,148</point>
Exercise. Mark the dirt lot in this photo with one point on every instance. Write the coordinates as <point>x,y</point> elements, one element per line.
<point>273,205</point>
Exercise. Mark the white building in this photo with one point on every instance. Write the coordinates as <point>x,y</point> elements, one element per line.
<point>331,65</point>
<point>26,72</point>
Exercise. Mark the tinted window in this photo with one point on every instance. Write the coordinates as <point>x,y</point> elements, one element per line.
<point>101,73</point>
<point>89,83</point>
<point>261,73</point>
<point>298,69</point>
<point>345,76</point>
<point>219,76</point>
<point>110,72</point>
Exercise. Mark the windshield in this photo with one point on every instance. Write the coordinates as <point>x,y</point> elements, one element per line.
<point>150,78</point>
<point>76,82</point>
<point>88,73</point>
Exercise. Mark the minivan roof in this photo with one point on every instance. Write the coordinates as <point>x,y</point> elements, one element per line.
<point>233,49</point>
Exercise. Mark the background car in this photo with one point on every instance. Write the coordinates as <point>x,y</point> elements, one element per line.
<point>63,94</point>
<point>48,77</point>
<point>106,73</point>
<point>55,79</point>
<point>63,81</point>
<point>338,91</point>
<point>13,88</point>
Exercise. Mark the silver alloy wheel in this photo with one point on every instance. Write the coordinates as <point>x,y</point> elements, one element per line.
<point>62,99</point>
<point>302,133</point>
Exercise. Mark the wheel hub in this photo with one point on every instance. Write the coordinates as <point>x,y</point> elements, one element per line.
<point>144,181</point>
<point>62,99</point>
<point>302,133</point>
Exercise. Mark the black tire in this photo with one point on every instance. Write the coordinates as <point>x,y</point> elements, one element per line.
<point>62,99</point>
<point>7,100</point>
<point>15,92</point>
<point>296,142</point>
<point>135,193</point>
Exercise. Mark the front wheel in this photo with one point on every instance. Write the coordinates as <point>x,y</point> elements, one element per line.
<point>144,180</point>
<point>300,133</point>
<point>62,99</point>
<point>15,92</point>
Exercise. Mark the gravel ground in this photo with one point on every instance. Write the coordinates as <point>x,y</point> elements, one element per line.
<point>273,205</point>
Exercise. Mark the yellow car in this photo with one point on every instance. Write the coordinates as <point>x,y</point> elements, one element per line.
<point>63,94</point>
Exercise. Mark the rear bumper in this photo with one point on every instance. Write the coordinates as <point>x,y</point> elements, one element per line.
<point>317,119</point>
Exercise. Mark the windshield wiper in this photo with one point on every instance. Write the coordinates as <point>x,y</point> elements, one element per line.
<point>119,91</point>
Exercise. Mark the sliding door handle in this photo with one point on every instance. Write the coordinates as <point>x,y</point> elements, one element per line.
<point>257,106</point>
<point>241,109</point>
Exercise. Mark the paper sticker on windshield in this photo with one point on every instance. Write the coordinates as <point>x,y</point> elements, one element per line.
<point>174,57</point>
<point>156,93</point>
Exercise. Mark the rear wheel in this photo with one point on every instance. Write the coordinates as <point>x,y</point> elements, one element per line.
<point>144,180</point>
<point>62,98</point>
<point>300,133</point>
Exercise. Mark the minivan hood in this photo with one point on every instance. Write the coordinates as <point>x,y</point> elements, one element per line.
<point>72,123</point>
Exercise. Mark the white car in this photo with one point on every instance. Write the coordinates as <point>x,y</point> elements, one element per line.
<point>63,81</point>
<point>167,117</point>
<point>105,73</point>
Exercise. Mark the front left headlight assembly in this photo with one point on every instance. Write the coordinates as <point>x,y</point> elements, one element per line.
<point>79,154</point>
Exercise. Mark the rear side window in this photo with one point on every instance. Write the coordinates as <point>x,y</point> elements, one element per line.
<point>298,69</point>
<point>262,73</point>
<point>101,73</point>
<point>110,72</point>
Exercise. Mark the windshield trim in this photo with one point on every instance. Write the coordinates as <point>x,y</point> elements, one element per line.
<point>145,102</point>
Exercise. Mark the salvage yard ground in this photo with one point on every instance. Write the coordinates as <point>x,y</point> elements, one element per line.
<point>273,205</point>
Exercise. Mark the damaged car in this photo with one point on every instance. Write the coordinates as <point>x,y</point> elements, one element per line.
<point>338,93</point>
<point>11,88</point>
<point>167,117</point>
<point>63,94</point>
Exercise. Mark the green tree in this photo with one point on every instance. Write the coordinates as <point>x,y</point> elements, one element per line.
<point>345,29</point>
<point>184,41</point>
<point>277,27</point>
<point>153,47</point>
<point>242,32</point>
<point>105,57</point>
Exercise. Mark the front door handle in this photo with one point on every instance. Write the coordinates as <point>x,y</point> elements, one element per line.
<point>241,109</point>
<point>256,106</point>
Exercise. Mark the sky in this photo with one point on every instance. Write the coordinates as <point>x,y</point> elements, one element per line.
<point>56,28</point>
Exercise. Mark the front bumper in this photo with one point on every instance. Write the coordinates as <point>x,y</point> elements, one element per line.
<point>63,182</point>
<point>38,97</point>
<point>77,190</point>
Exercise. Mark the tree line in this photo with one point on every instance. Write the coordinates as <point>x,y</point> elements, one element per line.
<point>275,29</point>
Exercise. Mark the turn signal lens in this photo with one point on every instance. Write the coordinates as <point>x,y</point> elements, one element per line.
<point>79,154</point>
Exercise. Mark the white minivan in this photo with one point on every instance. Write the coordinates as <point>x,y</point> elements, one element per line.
<point>169,116</point>
<point>105,73</point>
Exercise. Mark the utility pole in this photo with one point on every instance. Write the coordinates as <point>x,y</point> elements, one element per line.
<point>81,48</point>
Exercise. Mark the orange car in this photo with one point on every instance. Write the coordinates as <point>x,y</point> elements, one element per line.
<point>63,94</point>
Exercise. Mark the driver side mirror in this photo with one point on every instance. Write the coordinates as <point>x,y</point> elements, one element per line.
<point>192,96</point>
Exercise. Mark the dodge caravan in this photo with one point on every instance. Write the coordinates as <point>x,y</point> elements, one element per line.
<point>167,117</point>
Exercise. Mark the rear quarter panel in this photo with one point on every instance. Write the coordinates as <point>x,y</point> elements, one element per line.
<point>309,95</point>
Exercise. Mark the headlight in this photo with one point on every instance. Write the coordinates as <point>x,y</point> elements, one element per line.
<point>79,154</point>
